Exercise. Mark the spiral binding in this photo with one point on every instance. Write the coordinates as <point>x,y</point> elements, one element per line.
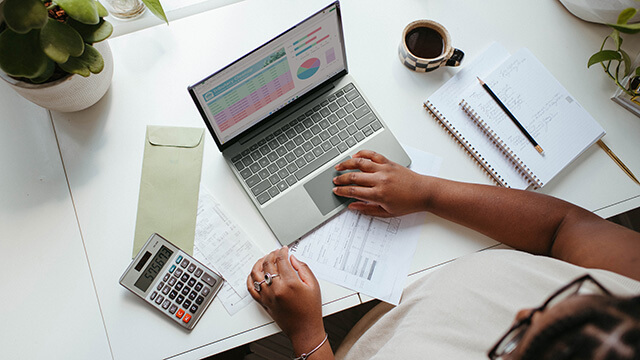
<point>470,149</point>
<point>521,167</point>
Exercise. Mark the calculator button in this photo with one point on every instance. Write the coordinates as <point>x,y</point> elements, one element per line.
<point>185,291</point>
<point>180,313</point>
<point>199,300</point>
<point>193,295</point>
<point>208,279</point>
<point>180,299</point>
<point>173,267</point>
<point>186,304</point>
<point>193,309</point>
<point>160,285</point>
<point>179,285</point>
<point>173,294</point>
<point>191,282</point>
<point>186,318</point>
<point>173,309</point>
<point>185,277</point>
<point>178,259</point>
<point>172,281</point>
<point>178,272</point>
<point>199,286</point>
<point>166,290</point>
<point>159,299</point>
<point>198,273</point>
<point>191,268</point>
<point>205,291</point>
<point>166,277</point>
<point>165,304</point>
<point>153,295</point>
<point>184,263</point>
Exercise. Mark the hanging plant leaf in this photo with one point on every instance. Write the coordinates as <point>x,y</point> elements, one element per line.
<point>59,41</point>
<point>156,9</point>
<point>82,10</point>
<point>627,28</point>
<point>51,67</point>
<point>23,15</point>
<point>89,62</point>
<point>626,15</point>
<point>604,55</point>
<point>20,54</point>
<point>92,33</point>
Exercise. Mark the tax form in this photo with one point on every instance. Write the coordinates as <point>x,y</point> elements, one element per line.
<point>367,254</point>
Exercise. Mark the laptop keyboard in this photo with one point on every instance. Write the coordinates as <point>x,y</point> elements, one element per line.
<point>290,153</point>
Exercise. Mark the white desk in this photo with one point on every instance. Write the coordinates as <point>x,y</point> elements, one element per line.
<point>102,146</point>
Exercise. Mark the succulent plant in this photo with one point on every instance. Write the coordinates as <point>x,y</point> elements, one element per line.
<point>43,40</point>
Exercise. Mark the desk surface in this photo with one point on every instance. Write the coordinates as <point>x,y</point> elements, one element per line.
<point>102,146</point>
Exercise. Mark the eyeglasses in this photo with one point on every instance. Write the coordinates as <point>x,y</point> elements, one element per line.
<point>508,343</point>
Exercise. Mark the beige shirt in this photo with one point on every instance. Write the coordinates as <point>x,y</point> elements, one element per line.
<point>462,309</point>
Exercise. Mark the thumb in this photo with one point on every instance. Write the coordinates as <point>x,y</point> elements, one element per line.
<point>305,273</point>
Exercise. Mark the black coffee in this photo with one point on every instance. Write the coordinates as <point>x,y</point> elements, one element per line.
<point>424,43</point>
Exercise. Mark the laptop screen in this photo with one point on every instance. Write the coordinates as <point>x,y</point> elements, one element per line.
<point>264,81</point>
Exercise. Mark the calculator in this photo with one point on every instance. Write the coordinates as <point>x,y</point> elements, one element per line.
<point>172,281</point>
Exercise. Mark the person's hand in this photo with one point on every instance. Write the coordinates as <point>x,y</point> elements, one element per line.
<point>293,299</point>
<point>384,187</point>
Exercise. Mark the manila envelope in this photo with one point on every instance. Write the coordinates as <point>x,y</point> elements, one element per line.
<point>169,186</point>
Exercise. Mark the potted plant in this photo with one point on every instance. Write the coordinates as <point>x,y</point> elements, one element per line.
<point>49,49</point>
<point>617,63</point>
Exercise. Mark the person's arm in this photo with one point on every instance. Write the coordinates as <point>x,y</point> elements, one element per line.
<point>525,220</point>
<point>293,301</point>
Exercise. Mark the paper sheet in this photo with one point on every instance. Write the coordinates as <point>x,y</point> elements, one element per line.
<point>367,254</point>
<point>227,249</point>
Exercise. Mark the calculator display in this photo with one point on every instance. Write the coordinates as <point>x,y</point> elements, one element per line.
<point>153,269</point>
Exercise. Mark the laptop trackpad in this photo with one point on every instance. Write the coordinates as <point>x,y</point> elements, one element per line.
<point>321,187</point>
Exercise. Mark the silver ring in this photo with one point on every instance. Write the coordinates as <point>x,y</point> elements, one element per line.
<point>268,278</point>
<point>256,285</point>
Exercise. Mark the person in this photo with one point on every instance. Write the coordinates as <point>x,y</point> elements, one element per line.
<point>461,310</point>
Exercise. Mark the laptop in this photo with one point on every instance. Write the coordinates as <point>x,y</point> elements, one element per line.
<point>285,114</point>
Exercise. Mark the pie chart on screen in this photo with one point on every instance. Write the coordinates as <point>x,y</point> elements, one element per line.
<point>308,68</point>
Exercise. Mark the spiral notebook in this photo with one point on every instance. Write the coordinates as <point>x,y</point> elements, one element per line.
<point>545,108</point>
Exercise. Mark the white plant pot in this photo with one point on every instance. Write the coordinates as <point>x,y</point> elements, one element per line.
<point>72,93</point>
<point>600,11</point>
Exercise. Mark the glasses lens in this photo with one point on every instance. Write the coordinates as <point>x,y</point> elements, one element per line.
<point>510,342</point>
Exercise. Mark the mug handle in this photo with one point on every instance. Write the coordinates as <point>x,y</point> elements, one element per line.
<point>456,58</point>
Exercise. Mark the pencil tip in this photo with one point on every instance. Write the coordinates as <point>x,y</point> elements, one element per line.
<point>539,148</point>
<point>481,82</point>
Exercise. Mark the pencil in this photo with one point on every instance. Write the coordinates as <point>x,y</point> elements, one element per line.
<point>510,115</point>
<point>617,161</point>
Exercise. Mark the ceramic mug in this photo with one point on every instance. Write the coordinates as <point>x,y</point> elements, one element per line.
<point>426,45</point>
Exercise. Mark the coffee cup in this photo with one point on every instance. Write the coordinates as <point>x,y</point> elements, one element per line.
<point>426,45</point>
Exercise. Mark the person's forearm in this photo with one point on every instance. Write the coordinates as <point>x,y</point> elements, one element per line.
<point>524,220</point>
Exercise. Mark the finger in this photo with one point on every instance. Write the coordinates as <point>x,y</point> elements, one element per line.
<point>283,265</point>
<point>305,273</point>
<point>371,155</point>
<point>362,164</point>
<point>369,209</point>
<point>356,192</point>
<point>269,263</point>
<point>356,178</point>
<point>256,271</point>
<point>252,291</point>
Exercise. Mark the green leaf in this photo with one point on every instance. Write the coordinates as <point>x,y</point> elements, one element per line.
<point>627,62</point>
<point>82,10</point>
<point>24,15</point>
<point>90,61</point>
<point>627,28</point>
<point>59,41</point>
<point>617,40</point>
<point>156,9</point>
<point>20,54</point>
<point>626,15</point>
<point>102,11</point>
<point>51,67</point>
<point>92,33</point>
<point>604,55</point>
<point>638,71</point>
